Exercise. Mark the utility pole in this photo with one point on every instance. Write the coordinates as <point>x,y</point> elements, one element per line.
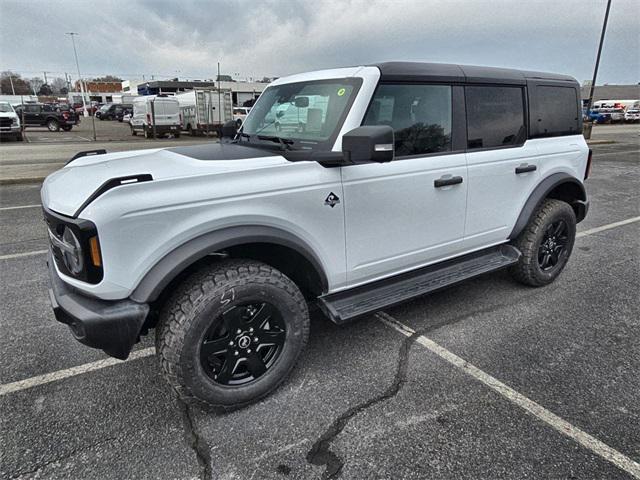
<point>75,52</point>
<point>13,90</point>
<point>220,105</point>
<point>45,78</point>
<point>595,70</point>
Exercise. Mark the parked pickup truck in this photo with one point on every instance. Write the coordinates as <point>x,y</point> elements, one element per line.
<point>54,117</point>
<point>353,189</point>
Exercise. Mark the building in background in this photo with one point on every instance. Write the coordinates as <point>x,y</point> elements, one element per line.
<point>611,92</point>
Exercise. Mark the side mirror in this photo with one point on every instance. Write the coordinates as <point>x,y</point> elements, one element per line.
<point>229,129</point>
<point>301,102</point>
<point>372,143</point>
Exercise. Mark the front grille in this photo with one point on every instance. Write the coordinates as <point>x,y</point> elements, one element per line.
<point>5,122</point>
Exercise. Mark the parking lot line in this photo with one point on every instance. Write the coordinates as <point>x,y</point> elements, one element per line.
<point>71,372</point>
<point>24,254</point>
<point>596,446</point>
<point>608,226</point>
<point>20,207</point>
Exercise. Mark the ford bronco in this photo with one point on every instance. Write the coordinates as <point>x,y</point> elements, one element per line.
<point>354,188</point>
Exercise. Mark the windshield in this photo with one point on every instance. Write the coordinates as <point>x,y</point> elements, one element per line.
<point>5,107</point>
<point>309,114</point>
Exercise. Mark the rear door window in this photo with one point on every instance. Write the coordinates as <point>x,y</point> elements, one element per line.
<point>420,116</point>
<point>495,116</point>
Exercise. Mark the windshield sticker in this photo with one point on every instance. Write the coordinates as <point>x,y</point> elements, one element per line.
<point>341,92</point>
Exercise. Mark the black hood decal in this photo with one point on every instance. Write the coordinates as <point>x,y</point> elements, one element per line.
<point>222,151</point>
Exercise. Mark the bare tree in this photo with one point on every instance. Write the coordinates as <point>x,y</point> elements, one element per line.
<point>11,83</point>
<point>36,83</point>
<point>58,85</point>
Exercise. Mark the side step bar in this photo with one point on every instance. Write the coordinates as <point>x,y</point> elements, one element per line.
<point>346,305</point>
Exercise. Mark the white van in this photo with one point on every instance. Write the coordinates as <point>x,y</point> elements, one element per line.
<point>155,112</point>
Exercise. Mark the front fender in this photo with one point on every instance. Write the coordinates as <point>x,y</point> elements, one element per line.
<point>176,261</point>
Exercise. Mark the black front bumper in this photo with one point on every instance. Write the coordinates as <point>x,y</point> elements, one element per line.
<point>113,326</point>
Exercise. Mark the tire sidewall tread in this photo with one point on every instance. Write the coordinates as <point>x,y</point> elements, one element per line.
<point>185,320</point>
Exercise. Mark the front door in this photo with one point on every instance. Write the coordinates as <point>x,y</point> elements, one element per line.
<point>409,212</point>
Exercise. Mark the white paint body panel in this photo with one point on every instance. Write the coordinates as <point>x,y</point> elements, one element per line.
<point>390,218</point>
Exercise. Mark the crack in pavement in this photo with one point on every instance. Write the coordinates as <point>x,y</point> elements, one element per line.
<point>197,444</point>
<point>320,453</point>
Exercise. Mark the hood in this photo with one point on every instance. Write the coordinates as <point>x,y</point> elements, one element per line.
<point>69,190</point>
<point>8,115</point>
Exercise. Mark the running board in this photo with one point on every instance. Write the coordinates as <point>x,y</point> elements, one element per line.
<point>343,306</point>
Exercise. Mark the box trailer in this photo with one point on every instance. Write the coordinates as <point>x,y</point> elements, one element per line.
<point>205,110</point>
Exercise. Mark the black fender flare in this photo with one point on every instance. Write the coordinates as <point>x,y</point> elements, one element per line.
<point>172,264</point>
<point>540,193</point>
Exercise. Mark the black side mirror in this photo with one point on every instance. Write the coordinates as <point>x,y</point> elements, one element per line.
<point>229,129</point>
<point>372,143</point>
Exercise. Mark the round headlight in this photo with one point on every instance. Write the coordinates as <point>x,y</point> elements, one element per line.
<point>72,259</point>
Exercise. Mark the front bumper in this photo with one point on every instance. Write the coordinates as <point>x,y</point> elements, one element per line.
<point>113,326</point>
<point>10,131</point>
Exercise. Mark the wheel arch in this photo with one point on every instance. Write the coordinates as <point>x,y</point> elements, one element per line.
<point>278,248</point>
<point>560,186</point>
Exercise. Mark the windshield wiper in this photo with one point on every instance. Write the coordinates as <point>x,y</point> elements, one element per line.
<point>285,143</point>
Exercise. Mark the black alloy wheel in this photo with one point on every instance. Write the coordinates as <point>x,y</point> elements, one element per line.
<point>243,343</point>
<point>553,245</point>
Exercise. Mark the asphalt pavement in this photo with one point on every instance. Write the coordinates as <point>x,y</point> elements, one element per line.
<point>366,400</point>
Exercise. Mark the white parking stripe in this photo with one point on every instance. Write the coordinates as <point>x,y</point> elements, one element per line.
<point>608,226</point>
<point>24,254</point>
<point>20,207</point>
<point>596,446</point>
<point>71,372</point>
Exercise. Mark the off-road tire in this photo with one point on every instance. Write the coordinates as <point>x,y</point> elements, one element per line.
<point>528,269</point>
<point>190,312</point>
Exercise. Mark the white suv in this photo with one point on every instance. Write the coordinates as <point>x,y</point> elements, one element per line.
<point>385,182</point>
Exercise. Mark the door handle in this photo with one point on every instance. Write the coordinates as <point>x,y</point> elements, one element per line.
<point>444,182</point>
<point>525,169</point>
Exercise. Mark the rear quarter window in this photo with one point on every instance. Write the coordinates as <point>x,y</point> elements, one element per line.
<point>554,111</point>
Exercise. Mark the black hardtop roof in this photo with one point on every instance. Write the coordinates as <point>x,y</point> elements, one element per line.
<point>447,72</point>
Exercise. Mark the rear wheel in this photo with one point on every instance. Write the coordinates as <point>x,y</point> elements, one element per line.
<point>148,133</point>
<point>546,244</point>
<point>133,131</point>
<point>53,125</point>
<point>232,333</point>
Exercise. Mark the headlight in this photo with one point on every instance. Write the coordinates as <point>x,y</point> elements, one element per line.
<point>72,256</point>
<point>15,121</point>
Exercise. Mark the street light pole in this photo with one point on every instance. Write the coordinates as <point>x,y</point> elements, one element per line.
<point>75,52</point>
<point>595,70</point>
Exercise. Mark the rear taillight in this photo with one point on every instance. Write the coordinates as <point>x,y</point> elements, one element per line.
<point>65,115</point>
<point>587,171</point>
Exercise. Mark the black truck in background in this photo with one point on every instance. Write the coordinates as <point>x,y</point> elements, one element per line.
<point>54,117</point>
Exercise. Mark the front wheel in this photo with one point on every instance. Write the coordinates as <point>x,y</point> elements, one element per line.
<point>546,244</point>
<point>232,333</point>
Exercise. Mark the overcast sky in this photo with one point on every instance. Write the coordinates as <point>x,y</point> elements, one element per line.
<point>186,38</point>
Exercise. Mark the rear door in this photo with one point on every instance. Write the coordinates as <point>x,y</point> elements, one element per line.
<point>409,212</point>
<point>503,165</point>
<point>33,115</point>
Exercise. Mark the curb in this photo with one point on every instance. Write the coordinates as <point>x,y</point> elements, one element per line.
<point>600,142</point>
<point>21,180</point>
